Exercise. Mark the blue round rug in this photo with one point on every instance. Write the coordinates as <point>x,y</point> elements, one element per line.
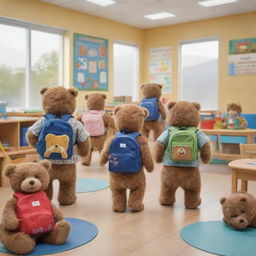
<point>89,185</point>
<point>218,238</point>
<point>81,233</point>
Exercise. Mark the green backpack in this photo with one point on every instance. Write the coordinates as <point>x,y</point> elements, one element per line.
<point>182,145</point>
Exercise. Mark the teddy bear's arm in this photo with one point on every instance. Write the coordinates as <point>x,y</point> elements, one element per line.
<point>10,220</point>
<point>105,151</point>
<point>84,148</point>
<point>79,118</point>
<point>205,153</point>
<point>109,123</point>
<point>159,152</point>
<point>57,214</point>
<point>31,138</point>
<point>162,110</point>
<point>146,156</point>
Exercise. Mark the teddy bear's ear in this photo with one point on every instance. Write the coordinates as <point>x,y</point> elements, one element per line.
<point>43,90</point>
<point>73,91</point>
<point>142,86</point>
<point>116,109</point>
<point>146,113</point>
<point>243,199</point>
<point>197,105</point>
<point>171,104</point>
<point>9,170</point>
<point>47,164</point>
<point>160,86</point>
<point>104,96</point>
<point>86,96</point>
<point>223,200</point>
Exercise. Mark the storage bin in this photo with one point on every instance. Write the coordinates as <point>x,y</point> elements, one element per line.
<point>207,124</point>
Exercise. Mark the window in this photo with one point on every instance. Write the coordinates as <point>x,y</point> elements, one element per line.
<point>126,70</point>
<point>199,73</point>
<point>30,58</point>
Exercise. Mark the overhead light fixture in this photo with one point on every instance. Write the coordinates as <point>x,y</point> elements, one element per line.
<point>103,3</point>
<point>160,15</point>
<point>210,3</point>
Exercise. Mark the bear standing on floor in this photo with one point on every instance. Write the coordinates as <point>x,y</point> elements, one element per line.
<point>157,113</point>
<point>97,122</point>
<point>59,104</point>
<point>127,153</point>
<point>29,215</point>
<point>178,147</point>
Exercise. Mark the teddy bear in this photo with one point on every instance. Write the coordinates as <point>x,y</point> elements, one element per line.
<point>179,147</point>
<point>128,174</point>
<point>29,215</point>
<point>59,104</point>
<point>232,119</point>
<point>97,122</point>
<point>157,113</point>
<point>239,210</point>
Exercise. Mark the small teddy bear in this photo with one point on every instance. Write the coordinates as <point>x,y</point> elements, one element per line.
<point>232,119</point>
<point>59,137</point>
<point>239,210</point>
<point>178,147</point>
<point>98,123</point>
<point>29,215</point>
<point>127,153</point>
<point>157,113</point>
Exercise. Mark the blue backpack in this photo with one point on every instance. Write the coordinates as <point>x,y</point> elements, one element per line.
<point>55,139</point>
<point>151,104</point>
<point>124,153</point>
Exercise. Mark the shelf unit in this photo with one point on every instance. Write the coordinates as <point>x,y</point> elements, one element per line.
<point>10,132</point>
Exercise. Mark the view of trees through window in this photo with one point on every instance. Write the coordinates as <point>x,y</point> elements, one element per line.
<point>23,69</point>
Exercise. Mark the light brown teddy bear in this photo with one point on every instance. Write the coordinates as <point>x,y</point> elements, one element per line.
<point>152,93</point>
<point>239,210</point>
<point>178,147</point>
<point>97,122</point>
<point>129,119</point>
<point>60,102</point>
<point>29,215</point>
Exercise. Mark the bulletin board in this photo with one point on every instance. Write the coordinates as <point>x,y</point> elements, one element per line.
<point>242,57</point>
<point>90,63</point>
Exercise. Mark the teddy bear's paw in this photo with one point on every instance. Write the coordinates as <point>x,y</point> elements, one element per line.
<point>119,208</point>
<point>167,201</point>
<point>86,163</point>
<point>193,205</point>
<point>12,224</point>
<point>67,201</point>
<point>21,243</point>
<point>136,206</point>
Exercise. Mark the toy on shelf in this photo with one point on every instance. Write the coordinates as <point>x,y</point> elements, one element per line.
<point>3,106</point>
<point>232,119</point>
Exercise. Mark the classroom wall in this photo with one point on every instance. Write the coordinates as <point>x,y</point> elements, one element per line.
<point>231,88</point>
<point>73,22</point>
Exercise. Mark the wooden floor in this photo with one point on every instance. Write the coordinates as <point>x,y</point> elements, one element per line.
<point>155,231</point>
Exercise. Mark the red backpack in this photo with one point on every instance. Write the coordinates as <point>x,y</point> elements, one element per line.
<point>34,212</point>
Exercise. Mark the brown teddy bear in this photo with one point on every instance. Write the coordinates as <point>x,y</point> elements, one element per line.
<point>178,147</point>
<point>152,93</point>
<point>97,122</point>
<point>129,120</point>
<point>29,215</point>
<point>60,103</point>
<point>239,210</point>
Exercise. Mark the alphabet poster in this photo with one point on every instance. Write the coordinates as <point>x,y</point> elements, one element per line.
<point>90,63</point>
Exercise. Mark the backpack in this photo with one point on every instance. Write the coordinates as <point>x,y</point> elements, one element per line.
<point>182,145</point>
<point>151,104</point>
<point>124,153</point>
<point>55,140</point>
<point>94,123</point>
<point>34,212</point>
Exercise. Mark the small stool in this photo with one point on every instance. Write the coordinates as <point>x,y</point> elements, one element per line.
<point>243,169</point>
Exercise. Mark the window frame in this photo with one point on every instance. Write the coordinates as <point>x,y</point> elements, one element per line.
<point>41,28</point>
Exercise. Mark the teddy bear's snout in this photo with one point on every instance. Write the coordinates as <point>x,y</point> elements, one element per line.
<point>31,184</point>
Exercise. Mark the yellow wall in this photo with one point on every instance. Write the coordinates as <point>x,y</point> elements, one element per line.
<point>231,88</point>
<point>73,22</point>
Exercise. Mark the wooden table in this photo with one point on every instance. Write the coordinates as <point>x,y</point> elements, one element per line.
<point>243,169</point>
<point>250,135</point>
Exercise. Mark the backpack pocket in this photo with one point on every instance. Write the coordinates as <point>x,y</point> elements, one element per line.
<point>181,153</point>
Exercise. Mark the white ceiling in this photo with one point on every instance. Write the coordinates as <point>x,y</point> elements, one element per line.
<point>131,12</point>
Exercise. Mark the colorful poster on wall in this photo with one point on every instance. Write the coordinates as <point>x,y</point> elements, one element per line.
<point>90,63</point>
<point>160,67</point>
<point>242,58</point>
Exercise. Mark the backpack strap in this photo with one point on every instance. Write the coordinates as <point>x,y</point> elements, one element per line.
<point>53,116</point>
<point>134,135</point>
<point>49,116</point>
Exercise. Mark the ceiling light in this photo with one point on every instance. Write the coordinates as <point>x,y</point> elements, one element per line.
<point>210,3</point>
<point>103,3</point>
<point>160,15</point>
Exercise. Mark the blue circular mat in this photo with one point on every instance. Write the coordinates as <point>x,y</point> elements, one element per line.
<point>90,185</point>
<point>81,233</point>
<point>218,238</point>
